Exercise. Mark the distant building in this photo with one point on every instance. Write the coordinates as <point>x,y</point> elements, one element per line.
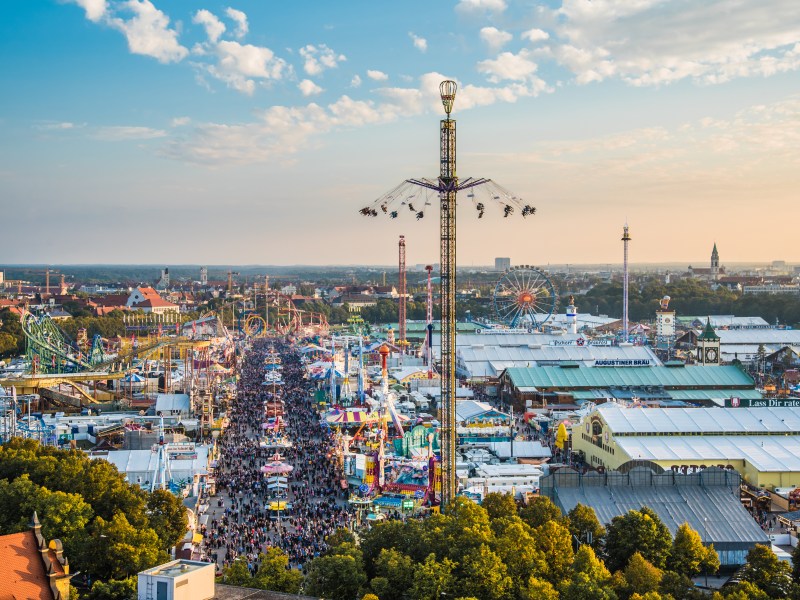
<point>163,282</point>
<point>713,273</point>
<point>772,289</point>
<point>148,300</point>
<point>502,264</point>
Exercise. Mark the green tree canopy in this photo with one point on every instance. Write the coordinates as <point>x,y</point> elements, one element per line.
<point>553,540</point>
<point>337,576</point>
<point>637,531</point>
<point>641,575</point>
<point>584,525</point>
<point>274,573</point>
<point>768,573</point>
<point>539,511</point>
<point>688,554</point>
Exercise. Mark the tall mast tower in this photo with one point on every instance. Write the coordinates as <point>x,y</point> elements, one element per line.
<point>402,292</point>
<point>429,325</point>
<point>415,195</point>
<point>626,237</point>
<point>447,236</point>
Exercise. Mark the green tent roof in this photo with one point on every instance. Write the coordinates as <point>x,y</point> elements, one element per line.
<point>696,377</point>
<point>709,333</point>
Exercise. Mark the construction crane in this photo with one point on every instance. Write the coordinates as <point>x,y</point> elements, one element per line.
<point>230,280</point>
<point>415,195</point>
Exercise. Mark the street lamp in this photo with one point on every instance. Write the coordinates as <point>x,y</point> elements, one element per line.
<point>705,540</point>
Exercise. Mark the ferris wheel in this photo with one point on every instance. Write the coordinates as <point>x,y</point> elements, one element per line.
<point>524,297</point>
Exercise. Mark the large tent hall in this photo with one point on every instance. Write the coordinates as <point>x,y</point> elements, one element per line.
<point>707,501</point>
<point>762,444</point>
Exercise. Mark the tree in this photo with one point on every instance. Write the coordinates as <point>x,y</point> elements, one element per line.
<point>499,506</point>
<point>468,527</point>
<point>764,570</point>
<point>539,511</point>
<point>553,540</point>
<point>434,579</point>
<point>641,576</point>
<point>679,586</point>
<point>584,525</point>
<point>237,573</point>
<point>796,564</point>
<point>515,545</point>
<point>338,577</point>
<point>743,591</point>
<point>582,587</point>
<point>115,589</point>
<point>587,562</point>
<point>538,589</point>
<point>637,531</point>
<point>485,575</point>
<point>274,573</point>
<point>688,554</point>
<point>116,549</point>
<point>395,575</point>
<point>167,516</point>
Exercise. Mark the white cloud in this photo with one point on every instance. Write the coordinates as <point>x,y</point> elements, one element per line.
<point>319,58</point>
<point>535,35</point>
<point>239,65</point>
<point>377,75</point>
<point>309,88</point>
<point>652,42</point>
<point>95,9</point>
<point>420,43</point>
<point>180,121</point>
<point>148,32</point>
<point>481,5</point>
<point>240,18</point>
<point>123,133</point>
<point>282,131</point>
<point>56,126</point>
<point>508,66</point>
<point>213,26</point>
<point>495,38</point>
<point>355,82</point>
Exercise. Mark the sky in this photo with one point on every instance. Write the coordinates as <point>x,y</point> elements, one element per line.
<point>252,131</point>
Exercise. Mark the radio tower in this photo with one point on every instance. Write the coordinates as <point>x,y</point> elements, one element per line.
<point>429,325</point>
<point>625,239</point>
<point>402,293</point>
<point>416,195</point>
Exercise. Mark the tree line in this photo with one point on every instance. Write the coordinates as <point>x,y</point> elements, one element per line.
<point>502,551</point>
<point>110,529</point>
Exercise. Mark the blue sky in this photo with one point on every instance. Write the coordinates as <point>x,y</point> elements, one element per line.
<point>199,131</point>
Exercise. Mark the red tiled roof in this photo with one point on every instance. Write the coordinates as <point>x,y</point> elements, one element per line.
<point>153,303</point>
<point>22,572</point>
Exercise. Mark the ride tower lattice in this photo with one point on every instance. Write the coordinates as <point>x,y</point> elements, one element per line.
<point>401,284</point>
<point>424,191</point>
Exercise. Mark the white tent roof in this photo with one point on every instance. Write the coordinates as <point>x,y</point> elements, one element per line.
<point>641,421</point>
<point>766,453</point>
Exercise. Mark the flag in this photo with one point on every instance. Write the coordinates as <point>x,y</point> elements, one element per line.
<point>177,328</point>
<point>160,330</point>
<point>194,327</point>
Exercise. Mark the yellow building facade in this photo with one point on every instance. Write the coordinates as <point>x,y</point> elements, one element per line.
<point>761,444</point>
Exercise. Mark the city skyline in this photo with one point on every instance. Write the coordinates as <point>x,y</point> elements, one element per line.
<point>145,131</point>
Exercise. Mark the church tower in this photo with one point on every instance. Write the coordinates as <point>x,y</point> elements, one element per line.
<point>715,263</point>
<point>708,346</point>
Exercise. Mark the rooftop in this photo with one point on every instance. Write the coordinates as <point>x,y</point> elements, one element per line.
<point>700,421</point>
<point>534,378</point>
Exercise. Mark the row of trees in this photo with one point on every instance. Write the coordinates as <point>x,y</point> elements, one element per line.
<point>110,529</point>
<point>689,297</point>
<point>499,551</point>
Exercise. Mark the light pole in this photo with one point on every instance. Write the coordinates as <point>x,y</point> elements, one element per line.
<point>705,541</point>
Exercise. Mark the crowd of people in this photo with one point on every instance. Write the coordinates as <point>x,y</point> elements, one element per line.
<point>312,506</point>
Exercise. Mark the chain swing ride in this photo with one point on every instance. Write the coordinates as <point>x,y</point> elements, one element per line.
<point>418,195</point>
